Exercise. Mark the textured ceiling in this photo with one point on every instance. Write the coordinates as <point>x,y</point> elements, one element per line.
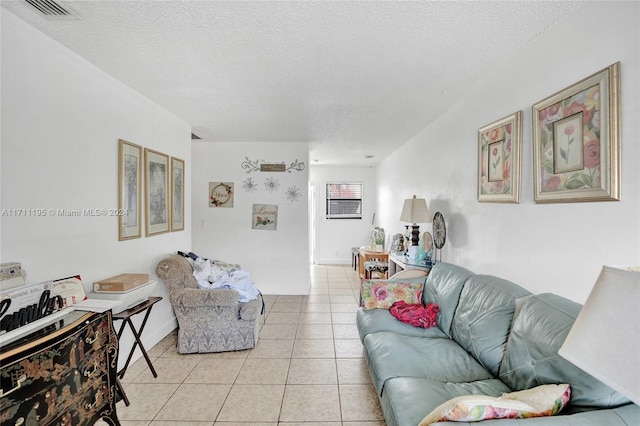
<point>353,78</point>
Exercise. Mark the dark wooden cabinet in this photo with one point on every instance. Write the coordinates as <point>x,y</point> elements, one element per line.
<point>62,374</point>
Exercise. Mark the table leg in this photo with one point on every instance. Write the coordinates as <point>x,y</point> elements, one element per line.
<point>138,342</point>
<point>120,390</point>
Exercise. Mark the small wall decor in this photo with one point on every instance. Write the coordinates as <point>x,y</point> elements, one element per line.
<point>129,190</point>
<point>397,244</point>
<point>220,194</point>
<point>425,248</point>
<point>157,192</point>
<point>177,194</point>
<point>576,141</point>
<point>427,242</point>
<point>265,216</point>
<point>293,193</point>
<point>439,234</point>
<point>279,167</point>
<point>249,185</point>
<point>262,166</point>
<point>271,184</point>
<point>499,160</point>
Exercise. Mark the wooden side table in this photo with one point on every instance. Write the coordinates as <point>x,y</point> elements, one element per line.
<point>367,255</point>
<point>125,317</point>
<point>355,257</point>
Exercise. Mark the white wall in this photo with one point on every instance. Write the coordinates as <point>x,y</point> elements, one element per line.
<point>556,248</point>
<point>335,238</point>
<point>278,260</point>
<point>61,121</point>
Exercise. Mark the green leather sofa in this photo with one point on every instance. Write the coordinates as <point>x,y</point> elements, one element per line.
<point>493,337</point>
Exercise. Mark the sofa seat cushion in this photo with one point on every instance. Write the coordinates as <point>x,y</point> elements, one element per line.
<point>391,355</point>
<point>406,400</point>
<point>531,356</point>
<point>377,320</point>
<point>483,319</point>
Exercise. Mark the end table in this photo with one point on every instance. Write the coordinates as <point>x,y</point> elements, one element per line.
<point>125,317</point>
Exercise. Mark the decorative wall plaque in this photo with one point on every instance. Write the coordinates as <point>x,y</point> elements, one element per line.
<point>265,216</point>
<point>262,166</point>
<point>220,194</point>
<point>272,167</point>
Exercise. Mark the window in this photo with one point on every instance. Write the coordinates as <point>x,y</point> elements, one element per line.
<point>344,200</point>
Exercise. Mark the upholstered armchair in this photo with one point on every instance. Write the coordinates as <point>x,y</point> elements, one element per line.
<point>208,320</point>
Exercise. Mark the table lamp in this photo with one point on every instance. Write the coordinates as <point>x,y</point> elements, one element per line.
<point>415,211</point>
<point>605,338</point>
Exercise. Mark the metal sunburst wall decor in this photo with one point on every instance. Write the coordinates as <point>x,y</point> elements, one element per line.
<point>271,184</point>
<point>250,185</point>
<point>293,193</point>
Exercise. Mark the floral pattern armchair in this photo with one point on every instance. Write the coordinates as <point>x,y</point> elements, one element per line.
<point>208,320</point>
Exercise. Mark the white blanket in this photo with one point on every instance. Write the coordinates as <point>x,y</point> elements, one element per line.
<point>212,274</point>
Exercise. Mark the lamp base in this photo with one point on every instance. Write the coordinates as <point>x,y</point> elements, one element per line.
<point>415,234</point>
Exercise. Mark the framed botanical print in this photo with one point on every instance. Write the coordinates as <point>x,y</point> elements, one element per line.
<point>499,146</point>
<point>177,194</point>
<point>576,141</point>
<point>157,191</point>
<point>129,190</point>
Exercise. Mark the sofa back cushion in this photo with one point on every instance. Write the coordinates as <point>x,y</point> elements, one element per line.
<point>443,287</point>
<point>531,358</point>
<point>483,318</point>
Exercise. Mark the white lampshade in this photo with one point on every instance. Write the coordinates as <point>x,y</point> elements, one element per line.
<point>415,210</point>
<point>605,339</point>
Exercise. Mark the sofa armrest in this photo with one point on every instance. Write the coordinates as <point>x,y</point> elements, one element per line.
<point>250,310</point>
<point>195,297</point>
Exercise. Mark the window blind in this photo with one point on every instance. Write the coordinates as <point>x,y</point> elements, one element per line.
<point>344,200</point>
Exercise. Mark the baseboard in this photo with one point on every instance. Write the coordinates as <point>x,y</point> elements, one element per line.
<point>288,291</point>
<point>334,261</point>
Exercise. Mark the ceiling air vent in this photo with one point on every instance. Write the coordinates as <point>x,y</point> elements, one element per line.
<point>53,9</point>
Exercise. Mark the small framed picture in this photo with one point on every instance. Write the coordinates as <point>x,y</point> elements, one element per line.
<point>499,145</point>
<point>576,141</point>
<point>177,194</point>
<point>129,190</point>
<point>158,210</point>
<point>221,194</point>
<point>265,216</point>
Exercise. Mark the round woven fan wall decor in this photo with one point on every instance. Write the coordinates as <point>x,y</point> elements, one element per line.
<point>439,230</point>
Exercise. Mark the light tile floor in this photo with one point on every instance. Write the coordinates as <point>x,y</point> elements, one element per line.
<point>307,368</point>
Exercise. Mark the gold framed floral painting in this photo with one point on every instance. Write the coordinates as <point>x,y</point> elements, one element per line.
<point>576,141</point>
<point>499,146</point>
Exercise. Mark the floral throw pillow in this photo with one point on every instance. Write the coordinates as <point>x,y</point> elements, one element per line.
<point>545,400</point>
<point>381,294</point>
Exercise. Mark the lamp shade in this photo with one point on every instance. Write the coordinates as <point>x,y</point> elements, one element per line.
<point>605,338</point>
<point>415,210</point>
